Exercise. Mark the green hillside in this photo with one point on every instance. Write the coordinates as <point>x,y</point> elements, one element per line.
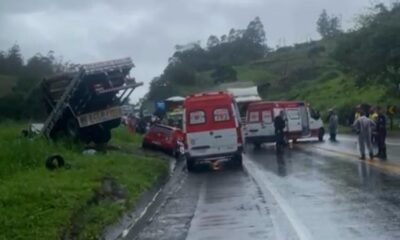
<point>342,70</point>
<point>290,73</point>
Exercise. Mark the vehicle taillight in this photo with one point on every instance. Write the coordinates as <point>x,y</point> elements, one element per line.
<point>185,141</point>
<point>239,136</point>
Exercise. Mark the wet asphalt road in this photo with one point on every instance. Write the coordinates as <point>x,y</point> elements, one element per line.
<point>313,191</point>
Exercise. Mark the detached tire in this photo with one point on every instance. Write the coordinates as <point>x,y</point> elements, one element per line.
<point>321,134</point>
<point>54,161</point>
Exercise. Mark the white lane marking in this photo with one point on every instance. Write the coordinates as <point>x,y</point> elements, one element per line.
<point>127,230</point>
<point>301,230</point>
<point>202,190</point>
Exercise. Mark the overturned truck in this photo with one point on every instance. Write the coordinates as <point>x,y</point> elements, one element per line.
<point>85,102</point>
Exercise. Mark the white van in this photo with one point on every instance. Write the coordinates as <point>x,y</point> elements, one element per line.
<point>301,122</point>
<point>212,129</point>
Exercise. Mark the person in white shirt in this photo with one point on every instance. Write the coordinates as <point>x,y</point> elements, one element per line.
<point>364,127</point>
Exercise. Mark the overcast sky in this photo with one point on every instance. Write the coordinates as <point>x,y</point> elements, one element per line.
<point>84,31</point>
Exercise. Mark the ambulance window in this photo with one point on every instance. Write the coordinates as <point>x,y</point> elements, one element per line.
<point>254,117</point>
<point>197,117</point>
<point>221,115</point>
<point>267,116</point>
<point>293,114</point>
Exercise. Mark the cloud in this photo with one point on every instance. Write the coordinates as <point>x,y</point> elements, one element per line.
<point>148,30</point>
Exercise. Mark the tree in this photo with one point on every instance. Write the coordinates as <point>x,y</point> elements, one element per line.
<point>237,47</point>
<point>334,26</point>
<point>36,68</point>
<point>212,41</point>
<point>14,61</point>
<point>255,32</point>
<point>323,24</point>
<point>224,38</point>
<point>328,26</point>
<point>235,35</point>
<point>372,51</point>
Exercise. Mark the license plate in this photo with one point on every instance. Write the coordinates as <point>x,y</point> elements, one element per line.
<point>99,116</point>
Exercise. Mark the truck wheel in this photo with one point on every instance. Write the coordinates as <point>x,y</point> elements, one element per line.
<point>101,136</point>
<point>321,134</point>
<point>96,134</point>
<point>190,165</point>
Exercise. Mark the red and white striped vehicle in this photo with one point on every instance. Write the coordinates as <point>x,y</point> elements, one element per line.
<point>212,129</point>
<point>301,121</point>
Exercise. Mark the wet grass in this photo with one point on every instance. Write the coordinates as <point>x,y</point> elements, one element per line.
<point>74,203</point>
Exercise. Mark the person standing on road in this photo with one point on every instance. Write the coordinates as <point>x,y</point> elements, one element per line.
<point>381,133</point>
<point>364,126</point>
<point>373,115</point>
<point>279,124</point>
<point>333,124</point>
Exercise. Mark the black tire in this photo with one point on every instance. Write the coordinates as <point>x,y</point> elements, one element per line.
<point>145,145</point>
<point>97,134</point>
<point>54,161</point>
<point>321,134</point>
<point>190,165</point>
<point>103,137</point>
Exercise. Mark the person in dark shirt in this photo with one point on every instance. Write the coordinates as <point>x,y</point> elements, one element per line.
<point>381,134</point>
<point>279,124</point>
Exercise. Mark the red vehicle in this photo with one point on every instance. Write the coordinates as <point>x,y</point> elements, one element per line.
<point>212,129</point>
<point>165,138</point>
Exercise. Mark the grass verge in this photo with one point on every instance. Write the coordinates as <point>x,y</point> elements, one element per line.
<point>75,203</point>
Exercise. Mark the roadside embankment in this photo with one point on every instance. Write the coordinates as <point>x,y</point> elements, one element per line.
<point>75,201</point>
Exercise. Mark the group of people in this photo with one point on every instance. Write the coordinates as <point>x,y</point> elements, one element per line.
<point>369,125</point>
